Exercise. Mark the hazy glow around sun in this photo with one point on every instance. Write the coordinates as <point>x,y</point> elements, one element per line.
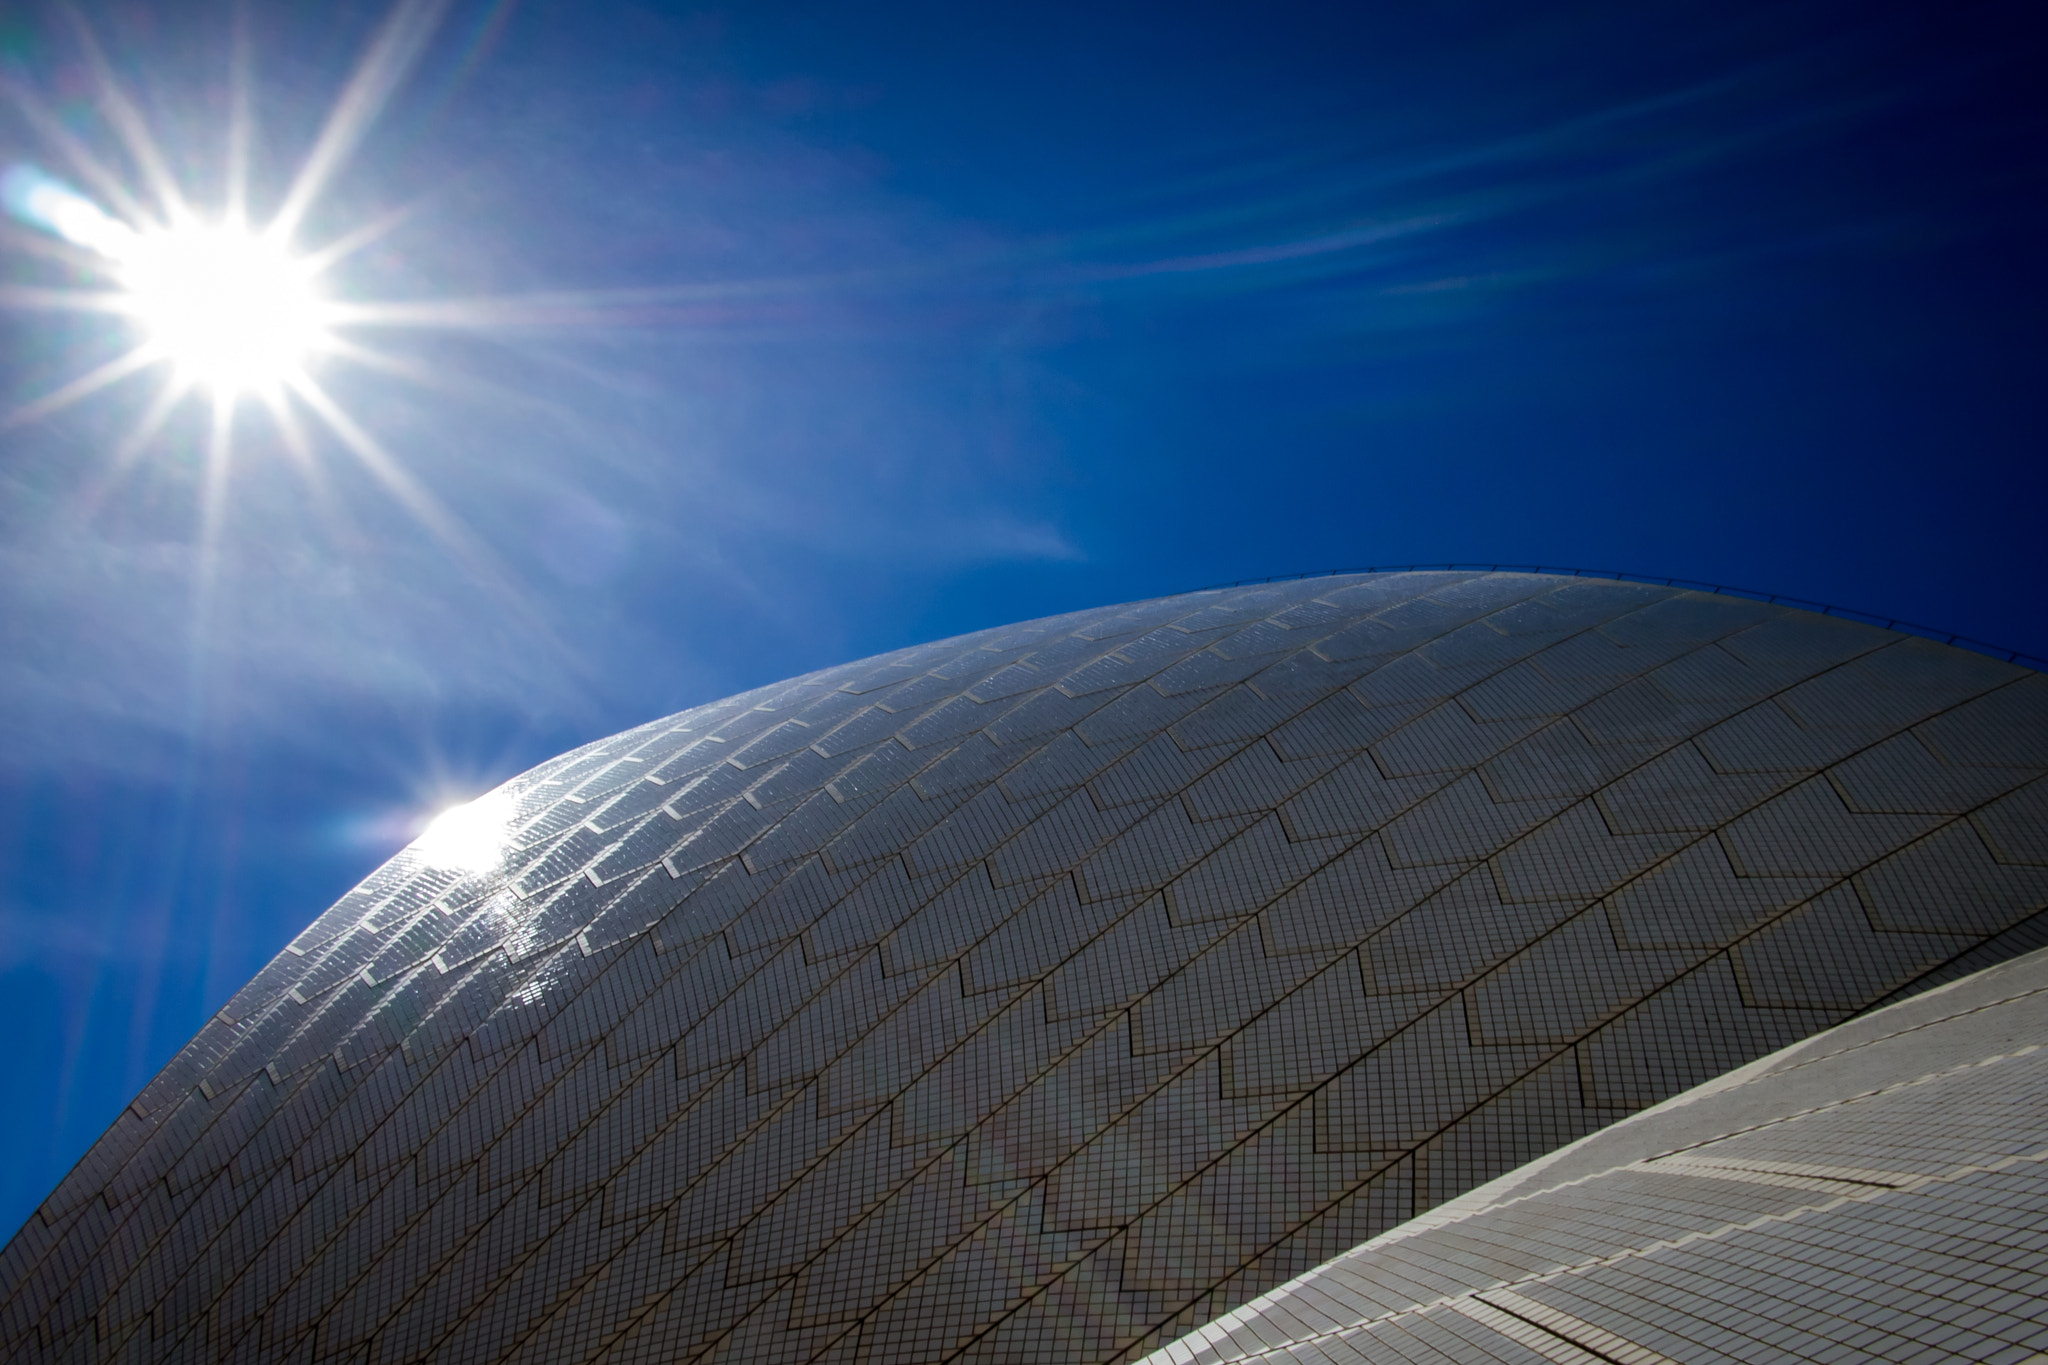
<point>226,302</point>
<point>467,838</point>
<point>230,309</point>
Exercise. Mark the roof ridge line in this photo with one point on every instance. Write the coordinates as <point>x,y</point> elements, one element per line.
<point>1975,646</point>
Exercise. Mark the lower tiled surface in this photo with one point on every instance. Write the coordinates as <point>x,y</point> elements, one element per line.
<point>1876,1193</point>
<point>1045,993</point>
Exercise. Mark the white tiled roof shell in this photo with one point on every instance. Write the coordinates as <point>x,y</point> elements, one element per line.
<point>1047,992</point>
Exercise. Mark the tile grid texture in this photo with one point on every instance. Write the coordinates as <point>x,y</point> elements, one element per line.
<point>1048,992</point>
<point>1878,1192</point>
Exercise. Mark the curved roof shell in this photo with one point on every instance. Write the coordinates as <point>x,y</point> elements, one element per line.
<point>1876,1192</point>
<point>1049,991</point>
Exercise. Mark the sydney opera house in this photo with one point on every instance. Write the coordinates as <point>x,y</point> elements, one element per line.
<point>1446,967</point>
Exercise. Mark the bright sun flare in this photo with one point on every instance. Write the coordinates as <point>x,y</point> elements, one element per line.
<point>224,303</point>
<point>213,307</point>
<point>229,309</point>
<point>218,303</point>
<point>469,837</point>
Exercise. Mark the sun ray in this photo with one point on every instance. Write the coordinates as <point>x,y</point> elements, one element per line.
<point>501,397</point>
<point>168,395</point>
<point>52,249</point>
<point>87,384</point>
<point>346,245</point>
<point>41,300</point>
<point>614,307</point>
<point>289,429</point>
<point>453,537</point>
<point>213,489</point>
<point>391,54</point>
<point>416,373</point>
<point>371,358</point>
<point>144,430</point>
<point>387,470</point>
<point>235,191</point>
<point>600,308</point>
<point>207,559</point>
<point>88,167</point>
<point>127,120</point>
<point>298,444</point>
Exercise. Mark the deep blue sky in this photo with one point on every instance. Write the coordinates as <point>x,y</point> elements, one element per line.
<point>873,324</point>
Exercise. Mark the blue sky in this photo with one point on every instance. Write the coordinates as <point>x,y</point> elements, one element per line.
<point>818,330</point>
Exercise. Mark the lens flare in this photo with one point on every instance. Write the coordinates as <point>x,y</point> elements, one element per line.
<point>230,309</point>
<point>41,200</point>
<point>228,301</point>
<point>469,837</point>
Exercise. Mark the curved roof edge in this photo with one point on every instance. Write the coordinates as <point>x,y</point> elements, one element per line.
<point>1877,1190</point>
<point>1870,618</point>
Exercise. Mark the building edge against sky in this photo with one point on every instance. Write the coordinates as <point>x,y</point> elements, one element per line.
<point>1051,991</point>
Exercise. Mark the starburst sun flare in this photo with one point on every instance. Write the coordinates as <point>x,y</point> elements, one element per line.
<point>219,302</point>
<point>226,301</point>
<point>223,299</point>
<point>230,310</point>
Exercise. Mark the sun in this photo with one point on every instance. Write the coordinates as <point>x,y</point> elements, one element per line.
<point>230,310</point>
<point>467,838</point>
<point>223,301</point>
<point>228,302</point>
<point>220,300</point>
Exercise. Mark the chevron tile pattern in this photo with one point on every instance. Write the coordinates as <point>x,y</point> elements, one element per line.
<point>1046,993</point>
